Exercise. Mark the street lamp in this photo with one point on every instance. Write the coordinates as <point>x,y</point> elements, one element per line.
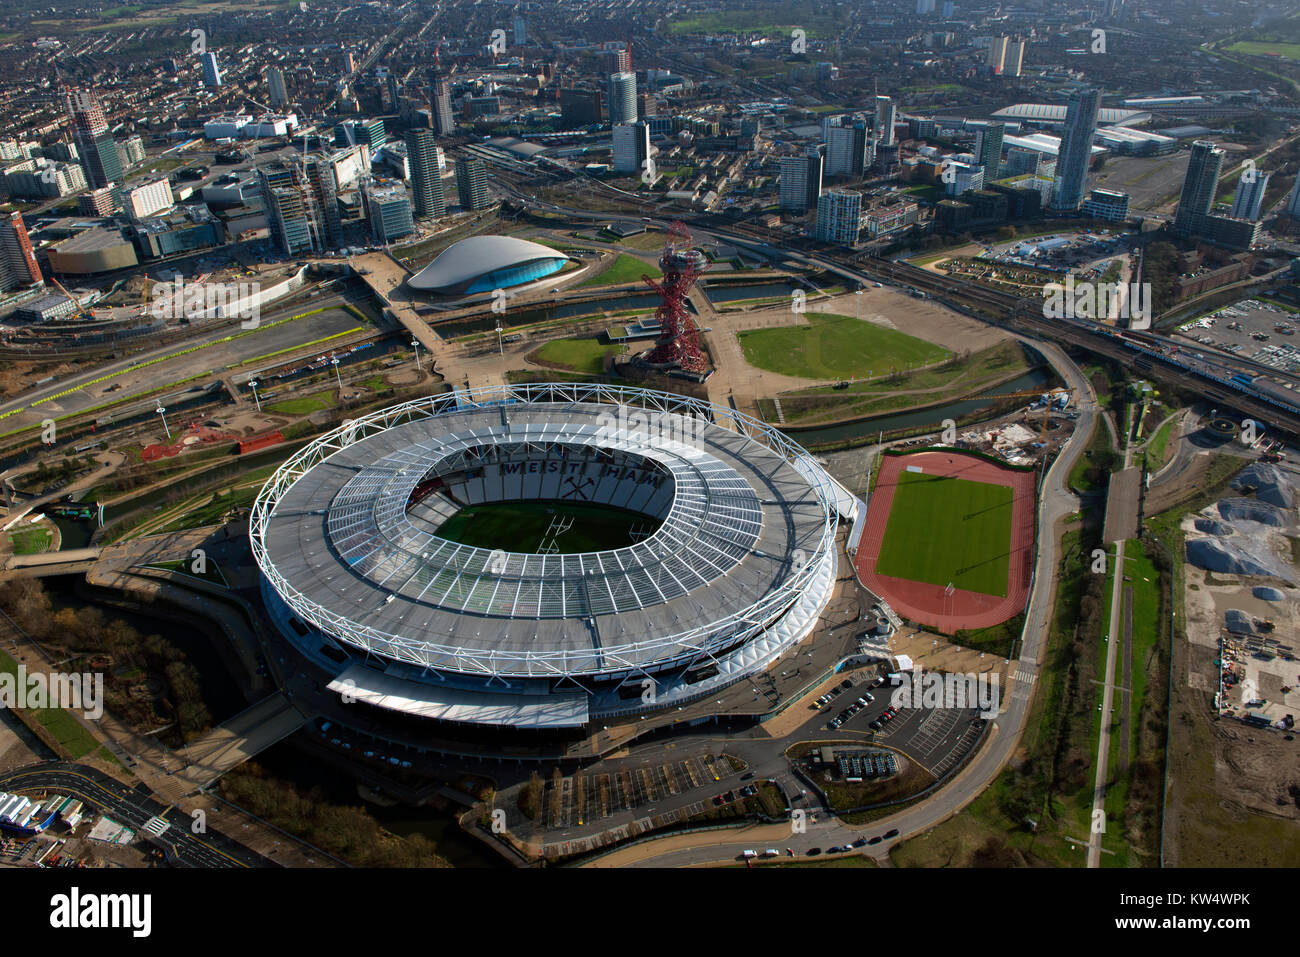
<point>415,344</point>
<point>252,383</point>
<point>335,363</point>
<point>161,414</point>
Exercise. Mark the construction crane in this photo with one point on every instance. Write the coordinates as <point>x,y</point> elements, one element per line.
<point>1037,393</point>
<point>81,313</point>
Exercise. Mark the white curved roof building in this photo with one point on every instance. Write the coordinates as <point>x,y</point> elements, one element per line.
<point>484,263</point>
<point>740,565</point>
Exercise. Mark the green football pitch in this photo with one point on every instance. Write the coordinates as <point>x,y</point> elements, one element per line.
<point>948,530</point>
<point>523,526</point>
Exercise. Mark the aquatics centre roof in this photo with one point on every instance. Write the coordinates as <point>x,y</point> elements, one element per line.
<point>458,266</point>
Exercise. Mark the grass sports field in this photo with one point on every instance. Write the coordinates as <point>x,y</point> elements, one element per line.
<point>522,526</point>
<point>829,346</point>
<point>948,530</point>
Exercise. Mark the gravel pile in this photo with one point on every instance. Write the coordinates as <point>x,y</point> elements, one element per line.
<point>1270,483</point>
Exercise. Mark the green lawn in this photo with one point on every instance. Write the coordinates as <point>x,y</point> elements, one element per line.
<point>72,738</point>
<point>580,355</point>
<point>948,530</point>
<point>304,405</point>
<point>829,346</point>
<point>30,541</point>
<point>1290,51</point>
<point>211,573</point>
<point>523,526</point>
<point>625,269</point>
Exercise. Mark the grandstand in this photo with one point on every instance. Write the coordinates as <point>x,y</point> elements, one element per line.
<point>735,560</point>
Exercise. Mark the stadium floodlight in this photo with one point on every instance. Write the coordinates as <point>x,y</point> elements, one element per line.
<point>162,415</point>
<point>252,384</point>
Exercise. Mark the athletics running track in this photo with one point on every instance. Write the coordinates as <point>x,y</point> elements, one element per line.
<point>926,603</point>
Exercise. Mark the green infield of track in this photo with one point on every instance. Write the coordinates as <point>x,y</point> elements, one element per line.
<point>521,526</point>
<point>948,530</point>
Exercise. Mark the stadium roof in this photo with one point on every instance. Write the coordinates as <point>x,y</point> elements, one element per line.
<point>1043,143</point>
<point>1052,113</point>
<point>457,266</point>
<point>335,538</point>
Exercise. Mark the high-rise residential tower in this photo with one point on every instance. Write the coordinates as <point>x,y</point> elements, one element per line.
<point>1075,152</point>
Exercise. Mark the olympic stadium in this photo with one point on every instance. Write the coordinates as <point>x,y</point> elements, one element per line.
<point>729,560</point>
<point>484,263</point>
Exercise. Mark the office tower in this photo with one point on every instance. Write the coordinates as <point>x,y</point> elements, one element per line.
<point>1014,59</point>
<point>354,132</point>
<point>275,85</point>
<point>886,114</point>
<point>147,199</point>
<point>521,32</point>
<point>948,7</point>
<point>293,213</point>
<point>94,141</point>
<point>211,72</point>
<point>582,107</point>
<point>1199,186</point>
<point>422,155</point>
<point>616,59</point>
<point>18,265</point>
<point>839,216</point>
<point>132,151</point>
<point>1248,203</point>
<point>444,124</point>
<point>631,147</point>
<point>801,181</point>
<point>471,184</point>
<point>622,98</point>
<point>848,150</point>
<point>1106,204</point>
<point>965,177</point>
<point>349,62</point>
<point>988,150</point>
<point>1075,152</point>
<point>389,211</point>
<point>925,6</point>
<point>997,54</point>
<point>1293,201</point>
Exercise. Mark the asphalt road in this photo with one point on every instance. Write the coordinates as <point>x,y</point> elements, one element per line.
<point>133,807</point>
<point>216,356</point>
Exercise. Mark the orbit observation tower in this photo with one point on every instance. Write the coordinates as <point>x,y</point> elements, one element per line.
<point>678,345</point>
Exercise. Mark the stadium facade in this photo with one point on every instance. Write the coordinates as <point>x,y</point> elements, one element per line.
<point>740,566</point>
<point>484,263</point>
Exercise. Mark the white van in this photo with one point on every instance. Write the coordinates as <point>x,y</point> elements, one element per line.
<point>749,854</point>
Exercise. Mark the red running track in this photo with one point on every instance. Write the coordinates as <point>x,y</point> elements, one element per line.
<point>926,603</point>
